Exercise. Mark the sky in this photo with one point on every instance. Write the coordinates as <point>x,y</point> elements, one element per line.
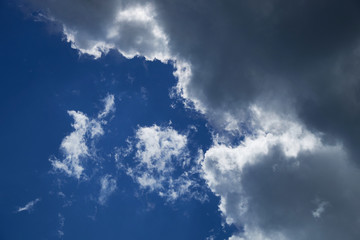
<point>171,119</point>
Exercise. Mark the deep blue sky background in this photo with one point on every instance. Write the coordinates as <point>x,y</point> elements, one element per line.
<point>42,78</point>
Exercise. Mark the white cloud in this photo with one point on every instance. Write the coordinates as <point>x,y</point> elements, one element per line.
<point>108,185</point>
<point>184,75</point>
<point>162,163</point>
<point>156,147</point>
<point>60,231</point>
<point>271,131</point>
<point>29,206</point>
<point>75,146</point>
<point>109,106</point>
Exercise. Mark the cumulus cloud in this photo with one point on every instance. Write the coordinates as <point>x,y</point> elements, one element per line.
<point>29,206</point>
<point>107,187</point>
<point>156,147</point>
<point>299,58</point>
<point>129,26</point>
<point>75,146</point>
<point>297,62</point>
<point>162,163</point>
<point>267,184</point>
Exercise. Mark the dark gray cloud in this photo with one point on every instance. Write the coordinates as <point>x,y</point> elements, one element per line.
<point>284,198</point>
<point>302,56</point>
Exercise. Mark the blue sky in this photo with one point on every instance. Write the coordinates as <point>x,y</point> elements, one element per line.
<point>42,79</point>
<point>179,119</point>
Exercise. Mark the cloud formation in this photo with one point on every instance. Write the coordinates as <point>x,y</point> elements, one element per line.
<point>163,164</point>
<point>107,187</point>
<point>60,230</point>
<point>109,106</point>
<point>29,206</point>
<point>75,146</point>
<point>284,183</point>
<point>297,62</point>
<point>129,26</point>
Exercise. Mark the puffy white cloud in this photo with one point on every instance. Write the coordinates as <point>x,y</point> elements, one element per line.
<point>162,163</point>
<point>107,187</point>
<point>29,206</point>
<point>157,147</point>
<point>75,146</point>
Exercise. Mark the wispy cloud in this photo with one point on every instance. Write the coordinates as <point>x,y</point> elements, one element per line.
<point>29,206</point>
<point>75,146</point>
<point>60,231</point>
<point>109,102</point>
<point>108,186</point>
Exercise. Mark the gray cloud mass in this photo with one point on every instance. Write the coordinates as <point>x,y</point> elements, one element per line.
<point>301,57</point>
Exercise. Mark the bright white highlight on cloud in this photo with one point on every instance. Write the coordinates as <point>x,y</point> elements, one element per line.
<point>184,75</point>
<point>29,206</point>
<point>75,146</point>
<point>107,187</point>
<point>257,234</point>
<point>92,47</point>
<point>287,133</point>
<point>224,164</point>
